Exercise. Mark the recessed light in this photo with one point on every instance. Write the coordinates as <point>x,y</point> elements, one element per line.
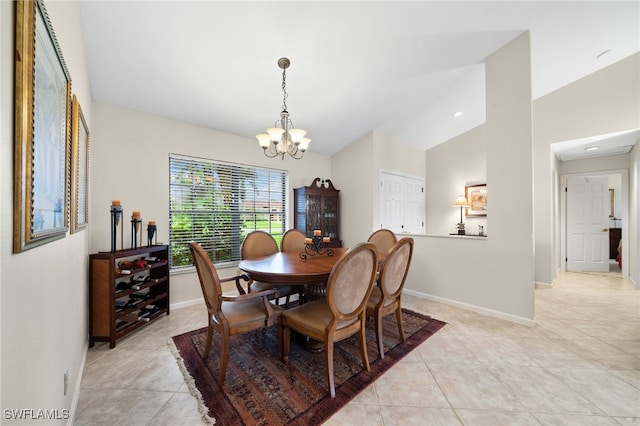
<point>457,114</point>
<point>591,148</point>
<point>603,53</point>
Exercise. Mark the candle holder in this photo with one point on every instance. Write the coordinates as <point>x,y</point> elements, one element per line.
<point>316,246</point>
<point>151,232</point>
<point>136,224</point>
<point>116,215</point>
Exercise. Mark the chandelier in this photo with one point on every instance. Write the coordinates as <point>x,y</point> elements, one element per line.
<point>283,138</point>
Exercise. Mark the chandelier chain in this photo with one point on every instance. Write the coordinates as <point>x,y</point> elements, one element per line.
<point>285,95</point>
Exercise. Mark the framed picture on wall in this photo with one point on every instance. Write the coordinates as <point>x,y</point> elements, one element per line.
<point>613,202</point>
<point>477,198</point>
<point>42,131</point>
<point>79,168</point>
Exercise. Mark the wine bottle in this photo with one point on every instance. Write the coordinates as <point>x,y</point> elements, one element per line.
<point>144,315</point>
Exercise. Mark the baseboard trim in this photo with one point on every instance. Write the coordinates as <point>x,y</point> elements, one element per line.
<point>474,308</point>
<point>544,285</point>
<point>73,410</point>
<point>186,303</point>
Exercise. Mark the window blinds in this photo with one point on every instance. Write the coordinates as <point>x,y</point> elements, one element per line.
<point>217,204</point>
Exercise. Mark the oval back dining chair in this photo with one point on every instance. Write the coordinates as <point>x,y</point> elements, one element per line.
<point>385,298</point>
<point>342,313</point>
<point>293,240</point>
<point>229,315</point>
<point>259,244</point>
<point>383,239</point>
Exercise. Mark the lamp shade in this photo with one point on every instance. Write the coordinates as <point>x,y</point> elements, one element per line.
<point>275,133</point>
<point>264,140</point>
<point>304,144</point>
<point>297,135</point>
<point>461,201</point>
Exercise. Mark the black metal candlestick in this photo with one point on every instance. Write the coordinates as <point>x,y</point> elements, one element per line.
<point>315,247</point>
<point>151,231</point>
<point>116,214</point>
<point>135,226</point>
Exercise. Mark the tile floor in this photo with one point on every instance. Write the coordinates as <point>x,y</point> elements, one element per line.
<point>580,365</point>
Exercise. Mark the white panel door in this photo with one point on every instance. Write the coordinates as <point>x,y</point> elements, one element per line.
<point>401,203</point>
<point>588,224</point>
<point>413,190</point>
<point>391,202</point>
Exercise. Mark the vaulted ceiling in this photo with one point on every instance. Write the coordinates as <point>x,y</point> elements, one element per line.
<point>401,67</point>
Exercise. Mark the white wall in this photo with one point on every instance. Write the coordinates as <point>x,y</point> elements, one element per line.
<point>597,164</point>
<point>356,171</point>
<point>634,215</point>
<point>493,275</point>
<point>44,290</point>
<point>392,155</point>
<point>353,175</point>
<point>450,166</point>
<point>130,162</point>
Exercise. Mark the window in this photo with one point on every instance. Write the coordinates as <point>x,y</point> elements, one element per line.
<point>217,204</point>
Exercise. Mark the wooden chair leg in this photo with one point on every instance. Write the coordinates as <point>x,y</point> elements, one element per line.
<point>224,359</point>
<point>207,348</point>
<point>363,346</point>
<point>286,337</point>
<point>399,320</point>
<point>378,326</point>
<point>328,360</point>
<point>280,342</point>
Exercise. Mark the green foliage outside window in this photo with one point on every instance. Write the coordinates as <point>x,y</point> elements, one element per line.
<point>218,204</point>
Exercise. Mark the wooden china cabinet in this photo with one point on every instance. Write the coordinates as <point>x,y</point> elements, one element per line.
<point>317,207</point>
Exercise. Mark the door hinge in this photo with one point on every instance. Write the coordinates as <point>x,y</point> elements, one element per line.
<point>565,189</point>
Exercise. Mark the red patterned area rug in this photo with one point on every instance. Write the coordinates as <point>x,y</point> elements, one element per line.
<point>261,390</point>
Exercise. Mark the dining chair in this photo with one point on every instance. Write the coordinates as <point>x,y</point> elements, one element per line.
<point>230,315</point>
<point>293,240</point>
<point>383,239</point>
<point>385,298</point>
<point>341,314</point>
<point>259,244</point>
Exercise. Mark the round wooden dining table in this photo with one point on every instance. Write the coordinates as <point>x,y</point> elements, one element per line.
<point>289,268</point>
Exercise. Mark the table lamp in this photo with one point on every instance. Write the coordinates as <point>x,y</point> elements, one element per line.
<point>461,202</point>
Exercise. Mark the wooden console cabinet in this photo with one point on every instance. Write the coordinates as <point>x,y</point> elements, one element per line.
<point>317,207</point>
<point>125,295</point>
<point>614,239</point>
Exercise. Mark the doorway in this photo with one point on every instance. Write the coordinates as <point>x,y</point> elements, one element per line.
<point>590,248</point>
